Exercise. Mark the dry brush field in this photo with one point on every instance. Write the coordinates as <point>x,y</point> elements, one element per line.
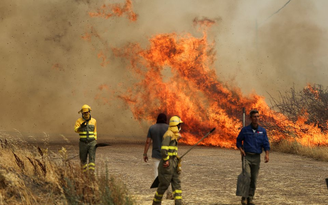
<point>209,176</point>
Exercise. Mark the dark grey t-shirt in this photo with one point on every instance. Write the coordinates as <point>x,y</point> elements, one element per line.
<point>156,133</point>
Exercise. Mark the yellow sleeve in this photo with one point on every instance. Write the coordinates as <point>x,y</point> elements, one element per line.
<point>165,146</point>
<point>77,125</point>
<point>95,131</point>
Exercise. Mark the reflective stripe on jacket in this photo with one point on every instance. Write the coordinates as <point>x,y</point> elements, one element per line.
<point>87,132</point>
<point>169,145</point>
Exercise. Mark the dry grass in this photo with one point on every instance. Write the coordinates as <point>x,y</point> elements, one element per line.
<point>28,175</point>
<point>293,147</point>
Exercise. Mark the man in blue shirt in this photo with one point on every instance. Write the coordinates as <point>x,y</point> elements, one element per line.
<point>251,140</point>
<point>155,137</point>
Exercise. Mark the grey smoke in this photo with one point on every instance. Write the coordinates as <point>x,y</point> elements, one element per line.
<point>48,71</point>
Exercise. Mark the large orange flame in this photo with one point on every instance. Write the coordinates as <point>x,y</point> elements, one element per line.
<point>190,89</point>
<point>192,92</point>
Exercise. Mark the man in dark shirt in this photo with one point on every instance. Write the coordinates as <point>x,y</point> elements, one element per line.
<point>155,137</point>
<point>250,141</point>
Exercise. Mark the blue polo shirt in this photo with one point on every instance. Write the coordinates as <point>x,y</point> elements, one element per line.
<point>253,141</point>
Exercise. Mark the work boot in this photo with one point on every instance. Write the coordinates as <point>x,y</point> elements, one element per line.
<point>250,201</point>
<point>243,201</point>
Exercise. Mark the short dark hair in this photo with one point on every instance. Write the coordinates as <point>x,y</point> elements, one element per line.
<point>161,118</point>
<point>252,112</point>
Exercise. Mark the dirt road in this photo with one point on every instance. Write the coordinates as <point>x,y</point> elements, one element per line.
<point>209,176</point>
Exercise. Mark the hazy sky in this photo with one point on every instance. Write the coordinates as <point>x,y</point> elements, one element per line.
<point>48,71</point>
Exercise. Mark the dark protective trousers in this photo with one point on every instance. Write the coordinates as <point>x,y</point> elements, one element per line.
<point>85,150</point>
<point>252,169</point>
<point>166,177</point>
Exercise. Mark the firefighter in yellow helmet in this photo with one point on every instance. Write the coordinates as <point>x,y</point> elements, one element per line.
<point>87,128</point>
<point>168,167</point>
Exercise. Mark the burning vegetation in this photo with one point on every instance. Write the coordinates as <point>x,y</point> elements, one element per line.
<point>310,103</point>
<point>194,92</point>
<point>175,74</point>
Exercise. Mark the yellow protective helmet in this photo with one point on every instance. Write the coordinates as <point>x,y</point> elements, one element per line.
<point>174,121</point>
<point>85,108</point>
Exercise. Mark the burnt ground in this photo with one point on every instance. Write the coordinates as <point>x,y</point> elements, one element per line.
<point>209,176</point>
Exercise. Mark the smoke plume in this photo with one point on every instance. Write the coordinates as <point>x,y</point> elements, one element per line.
<point>55,56</point>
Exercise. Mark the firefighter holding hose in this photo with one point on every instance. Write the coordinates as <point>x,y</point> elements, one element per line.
<point>168,167</point>
<point>87,128</point>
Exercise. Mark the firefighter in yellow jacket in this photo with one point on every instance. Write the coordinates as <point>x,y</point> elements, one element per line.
<point>168,167</point>
<point>87,128</point>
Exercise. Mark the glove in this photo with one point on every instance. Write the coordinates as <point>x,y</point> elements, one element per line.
<point>166,164</point>
<point>84,124</point>
<point>179,165</point>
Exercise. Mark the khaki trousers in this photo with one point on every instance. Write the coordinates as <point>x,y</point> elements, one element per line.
<point>252,169</point>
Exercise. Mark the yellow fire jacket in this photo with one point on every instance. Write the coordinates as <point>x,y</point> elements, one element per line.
<point>170,143</point>
<point>87,132</point>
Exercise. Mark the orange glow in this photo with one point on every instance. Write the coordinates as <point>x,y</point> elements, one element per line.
<point>86,37</point>
<point>312,90</point>
<point>58,67</point>
<point>195,93</point>
<point>107,11</point>
<point>102,56</point>
<point>102,53</point>
<point>176,76</point>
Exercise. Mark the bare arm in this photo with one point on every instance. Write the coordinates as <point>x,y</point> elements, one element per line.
<point>266,148</point>
<point>266,157</point>
<point>147,145</point>
<point>239,143</point>
<point>242,152</point>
